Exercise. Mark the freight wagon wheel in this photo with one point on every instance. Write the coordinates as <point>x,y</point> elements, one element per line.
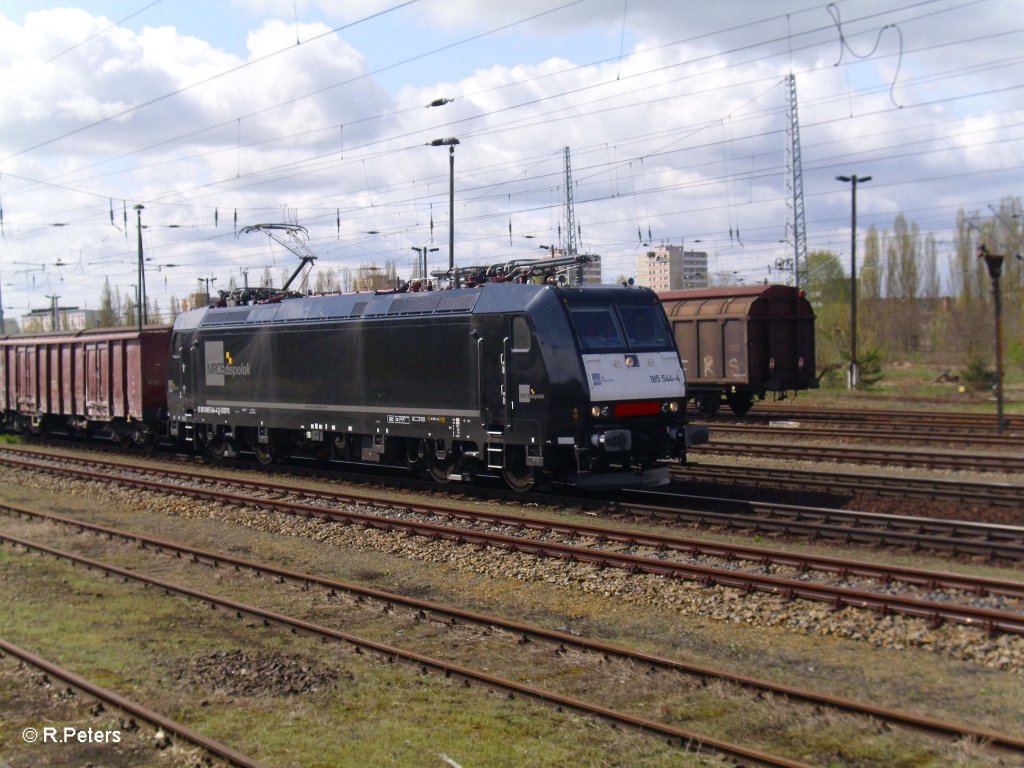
<point>708,405</point>
<point>517,476</point>
<point>740,402</point>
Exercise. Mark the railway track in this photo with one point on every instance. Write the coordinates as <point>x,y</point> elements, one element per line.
<point>919,419</point>
<point>846,526</point>
<point>841,525</point>
<point>975,462</point>
<point>875,433</point>
<point>992,605</point>
<point>123,704</point>
<point>1009,495</point>
<point>428,610</point>
<point>677,736</point>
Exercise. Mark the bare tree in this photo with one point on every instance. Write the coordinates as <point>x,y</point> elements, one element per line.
<point>870,273</point>
<point>931,281</point>
<point>908,279</point>
<point>107,314</point>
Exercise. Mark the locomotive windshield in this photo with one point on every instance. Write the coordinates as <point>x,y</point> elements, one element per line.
<point>596,328</point>
<point>635,327</point>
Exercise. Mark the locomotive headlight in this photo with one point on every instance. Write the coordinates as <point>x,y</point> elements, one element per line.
<point>670,407</point>
<point>596,411</point>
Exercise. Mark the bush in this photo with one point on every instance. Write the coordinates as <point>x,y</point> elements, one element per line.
<point>870,367</point>
<point>1015,353</point>
<point>977,377</point>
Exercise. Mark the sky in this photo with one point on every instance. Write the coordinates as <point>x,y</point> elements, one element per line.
<point>217,116</point>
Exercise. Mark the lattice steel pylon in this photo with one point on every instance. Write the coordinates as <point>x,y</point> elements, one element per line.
<point>570,209</point>
<point>796,226</point>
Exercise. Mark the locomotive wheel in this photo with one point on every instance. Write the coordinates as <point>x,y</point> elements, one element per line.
<point>740,402</point>
<point>266,453</point>
<point>517,476</point>
<point>438,469</point>
<point>217,447</point>
<point>708,405</point>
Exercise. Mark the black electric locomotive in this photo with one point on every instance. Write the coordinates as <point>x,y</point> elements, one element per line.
<point>532,381</point>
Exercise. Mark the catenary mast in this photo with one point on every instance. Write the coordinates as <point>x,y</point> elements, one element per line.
<point>796,226</point>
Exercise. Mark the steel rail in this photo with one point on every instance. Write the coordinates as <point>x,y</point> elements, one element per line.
<point>425,663</point>
<point>872,455</point>
<point>838,597</point>
<point>922,417</point>
<point>959,536</point>
<point>860,431</point>
<point>759,556</point>
<point>130,707</point>
<point>995,494</point>
<point>564,639</point>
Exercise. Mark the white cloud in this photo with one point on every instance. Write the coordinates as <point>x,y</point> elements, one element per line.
<point>679,140</point>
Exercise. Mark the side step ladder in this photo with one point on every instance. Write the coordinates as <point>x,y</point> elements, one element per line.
<point>495,456</point>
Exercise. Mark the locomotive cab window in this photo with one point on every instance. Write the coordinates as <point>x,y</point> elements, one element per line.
<point>520,334</point>
<point>645,326</point>
<point>596,328</point>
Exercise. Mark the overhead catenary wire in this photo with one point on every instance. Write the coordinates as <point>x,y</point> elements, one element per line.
<point>522,21</point>
<point>375,190</point>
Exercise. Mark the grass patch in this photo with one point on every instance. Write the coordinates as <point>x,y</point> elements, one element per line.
<point>377,714</point>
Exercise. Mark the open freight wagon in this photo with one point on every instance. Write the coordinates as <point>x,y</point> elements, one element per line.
<point>109,381</point>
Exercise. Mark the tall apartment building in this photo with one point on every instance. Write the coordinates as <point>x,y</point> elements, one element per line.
<point>671,268</point>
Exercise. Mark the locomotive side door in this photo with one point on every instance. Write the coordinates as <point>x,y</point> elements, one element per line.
<point>525,380</point>
<point>493,356</point>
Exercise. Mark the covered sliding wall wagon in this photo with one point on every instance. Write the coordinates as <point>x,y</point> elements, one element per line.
<point>738,343</point>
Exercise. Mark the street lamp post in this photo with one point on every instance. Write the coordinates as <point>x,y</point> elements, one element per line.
<point>207,280</point>
<point>141,295</point>
<point>450,143</point>
<point>423,258</point>
<point>854,374</point>
<point>994,263</point>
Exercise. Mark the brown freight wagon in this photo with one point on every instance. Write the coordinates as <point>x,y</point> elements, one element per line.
<point>741,342</point>
<point>104,381</point>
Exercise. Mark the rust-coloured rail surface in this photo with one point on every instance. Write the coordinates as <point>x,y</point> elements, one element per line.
<point>843,525</point>
<point>563,639</point>
<point>791,428</point>
<point>918,419</point>
<point>679,736</point>
<point>976,462</point>
<point>992,494</point>
<point>409,518</point>
<point>229,755</point>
